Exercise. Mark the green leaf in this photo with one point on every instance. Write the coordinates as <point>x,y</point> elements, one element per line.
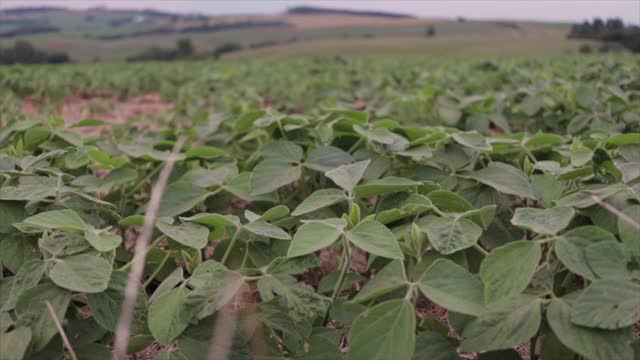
<point>57,219</point>
<point>385,185</point>
<point>400,206</point>
<point>390,278</point>
<point>181,197</point>
<point>376,239</point>
<point>624,139</point>
<point>28,276</point>
<point>10,212</point>
<point>472,140</point>
<point>506,179</point>
<point>169,315</point>
<point>103,242</point>
<point>434,346</point>
<point>607,304</point>
<point>186,233</point>
<point>571,248</point>
<point>32,311</point>
<point>326,158</point>
<point>271,174</point>
<point>348,176</point>
<point>106,306</point>
<point>385,331</point>
<point>452,287</point>
<point>300,299</point>
<point>83,272</point>
<point>629,232</point>
<point>449,235</point>
<point>265,229</point>
<point>15,343</point>
<point>205,152</point>
<point>503,325</point>
<point>27,192</point>
<point>543,221</point>
<point>609,260</point>
<point>585,197</point>
<point>171,281</point>
<point>594,344</point>
<point>319,199</point>
<point>282,150</point>
<point>312,237</point>
<point>507,270</point>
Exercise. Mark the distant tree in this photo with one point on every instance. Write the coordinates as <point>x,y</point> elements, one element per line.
<point>226,48</point>
<point>430,32</point>
<point>610,31</point>
<point>585,49</point>
<point>23,52</point>
<point>185,47</point>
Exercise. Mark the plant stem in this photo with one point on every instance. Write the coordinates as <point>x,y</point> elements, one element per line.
<point>157,270</point>
<point>231,245</point>
<point>144,180</point>
<point>480,249</point>
<point>154,243</point>
<point>346,263</point>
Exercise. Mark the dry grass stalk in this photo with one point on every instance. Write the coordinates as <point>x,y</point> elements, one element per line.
<point>123,330</point>
<point>63,335</point>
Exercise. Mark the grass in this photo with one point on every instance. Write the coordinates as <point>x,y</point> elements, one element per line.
<point>467,45</point>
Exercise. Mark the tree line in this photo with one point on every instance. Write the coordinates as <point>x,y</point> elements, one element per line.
<point>609,31</point>
<point>23,52</point>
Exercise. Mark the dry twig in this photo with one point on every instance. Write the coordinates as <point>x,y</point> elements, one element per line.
<point>123,330</point>
<point>63,335</point>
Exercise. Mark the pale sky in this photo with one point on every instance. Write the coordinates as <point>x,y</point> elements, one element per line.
<point>545,10</point>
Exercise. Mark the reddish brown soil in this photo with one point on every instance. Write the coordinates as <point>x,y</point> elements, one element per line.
<point>105,107</point>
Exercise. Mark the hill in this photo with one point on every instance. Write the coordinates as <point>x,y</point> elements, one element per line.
<point>102,34</point>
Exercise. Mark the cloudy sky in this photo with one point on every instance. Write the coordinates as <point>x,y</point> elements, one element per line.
<point>546,10</point>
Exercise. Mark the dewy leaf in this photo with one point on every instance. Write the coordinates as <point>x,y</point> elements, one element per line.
<point>83,272</point>
<point>452,287</point>
<point>265,229</point>
<point>385,331</point>
<point>311,237</point>
<point>450,235</point>
<point>505,178</point>
<point>57,219</point>
<point>543,221</point>
<point>571,248</point>
<point>503,325</point>
<point>390,278</point>
<point>187,233</point>
<point>169,316</point>
<point>385,185</point>
<point>593,344</point>
<point>318,200</point>
<point>348,176</point>
<point>326,158</point>
<point>32,311</point>
<point>607,304</point>
<point>271,174</point>
<point>376,239</point>
<point>507,270</point>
